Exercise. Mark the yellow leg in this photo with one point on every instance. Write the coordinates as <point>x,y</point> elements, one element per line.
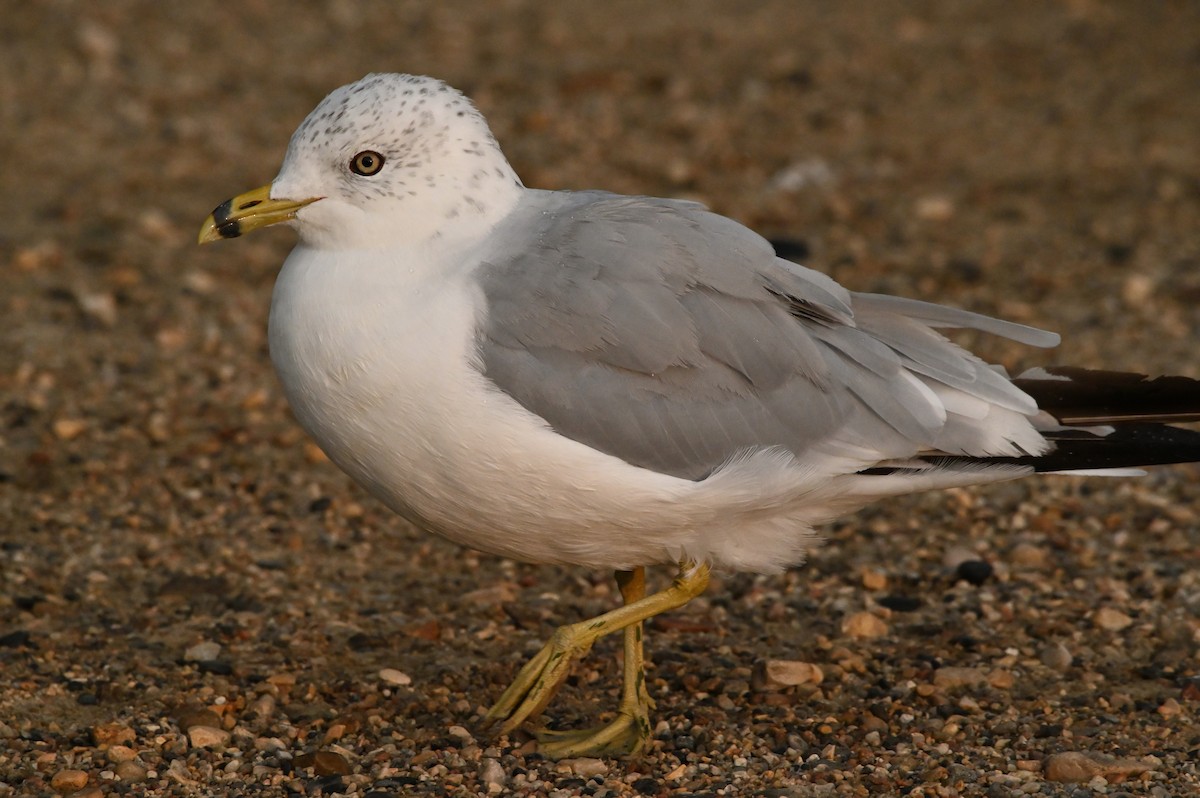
<point>541,677</point>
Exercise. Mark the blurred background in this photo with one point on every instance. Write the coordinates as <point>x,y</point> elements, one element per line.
<point>1034,160</point>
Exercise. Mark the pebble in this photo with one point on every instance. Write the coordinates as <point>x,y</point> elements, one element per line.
<point>1170,708</point>
<point>108,734</point>
<point>68,429</point>
<point>492,776</point>
<point>874,580</point>
<point>1029,555</point>
<point>1056,656</point>
<point>264,706</point>
<point>583,766</point>
<point>934,208</point>
<point>120,753</point>
<point>203,652</point>
<point>955,556</point>
<point>773,674</point>
<point>949,678</point>
<point>1080,766</point>
<point>460,733</point>
<point>1111,620</point>
<point>864,625</point>
<point>100,306</point>
<point>190,718</point>
<point>393,676</point>
<point>324,763</point>
<point>494,595</point>
<point>207,737</point>
<point>974,572</point>
<point>1001,679</point>
<point>68,781</point>
<point>130,772</point>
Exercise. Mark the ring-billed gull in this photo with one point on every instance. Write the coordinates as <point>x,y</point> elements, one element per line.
<point>616,382</point>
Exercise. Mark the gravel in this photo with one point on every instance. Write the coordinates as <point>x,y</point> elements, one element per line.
<point>194,602</point>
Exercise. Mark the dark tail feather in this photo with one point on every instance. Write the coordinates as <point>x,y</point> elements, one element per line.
<point>1110,420</point>
<point>1132,445</point>
<point>1136,411</point>
<point>1082,397</point>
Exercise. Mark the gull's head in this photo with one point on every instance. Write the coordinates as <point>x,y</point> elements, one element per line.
<point>389,160</point>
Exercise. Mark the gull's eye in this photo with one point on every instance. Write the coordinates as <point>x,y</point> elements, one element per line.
<point>366,163</point>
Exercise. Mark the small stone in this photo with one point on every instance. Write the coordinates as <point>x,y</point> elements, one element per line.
<point>1071,767</point>
<point>334,733</point>
<point>492,776</point>
<point>1001,679</point>
<point>324,763</point>
<point>1111,620</point>
<point>207,737</point>
<point>774,674</point>
<point>1056,657</point>
<point>68,781</point>
<point>190,718</point>
<point>495,595</point>
<point>120,753</point>
<point>107,734</point>
<point>936,208</point>
<point>864,625</point>
<point>203,652</point>
<point>264,706</point>
<point>676,774</point>
<point>583,766</point>
<point>1170,708</point>
<point>68,429</point>
<point>99,306</point>
<point>949,678</point>
<point>1029,556</point>
<point>460,733</point>
<point>874,580</point>
<point>1137,289</point>
<point>393,676</point>
<point>955,556</point>
<point>974,572</point>
<point>130,772</point>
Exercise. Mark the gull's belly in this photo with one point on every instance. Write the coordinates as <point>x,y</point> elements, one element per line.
<point>385,381</point>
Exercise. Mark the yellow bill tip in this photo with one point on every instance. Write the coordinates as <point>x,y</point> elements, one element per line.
<point>248,212</point>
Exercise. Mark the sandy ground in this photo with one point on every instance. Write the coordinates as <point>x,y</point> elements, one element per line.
<point>193,602</point>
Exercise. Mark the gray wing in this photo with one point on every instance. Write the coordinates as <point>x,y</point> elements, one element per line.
<point>674,339</point>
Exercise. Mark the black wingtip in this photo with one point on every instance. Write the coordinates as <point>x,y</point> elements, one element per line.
<point>1079,397</point>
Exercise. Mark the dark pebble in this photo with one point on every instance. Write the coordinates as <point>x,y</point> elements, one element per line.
<point>900,603</point>
<point>87,699</point>
<point>220,667</point>
<point>395,781</point>
<point>320,505</point>
<point>360,641</point>
<point>330,785</point>
<point>975,572</point>
<point>646,786</point>
<point>15,639</point>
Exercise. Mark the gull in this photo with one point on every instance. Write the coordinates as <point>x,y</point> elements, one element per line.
<point>608,381</point>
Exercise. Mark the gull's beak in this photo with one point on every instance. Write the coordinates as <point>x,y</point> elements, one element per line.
<point>247,212</point>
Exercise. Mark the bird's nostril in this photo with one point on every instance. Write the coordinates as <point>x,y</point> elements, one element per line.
<point>249,204</point>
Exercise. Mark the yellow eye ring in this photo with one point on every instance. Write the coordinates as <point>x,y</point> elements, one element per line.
<point>366,163</point>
